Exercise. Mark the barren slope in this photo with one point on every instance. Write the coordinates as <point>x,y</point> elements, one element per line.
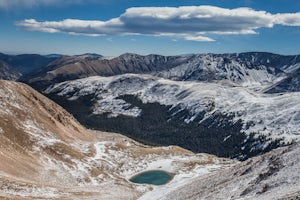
<point>271,176</point>
<point>74,67</point>
<point>46,154</point>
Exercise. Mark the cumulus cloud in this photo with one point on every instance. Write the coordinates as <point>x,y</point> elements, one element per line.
<point>197,23</point>
<point>288,19</point>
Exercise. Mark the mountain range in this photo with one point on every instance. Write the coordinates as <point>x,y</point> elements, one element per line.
<point>232,105</point>
<point>244,106</point>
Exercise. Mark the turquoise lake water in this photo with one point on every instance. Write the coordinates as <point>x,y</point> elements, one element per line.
<point>155,177</point>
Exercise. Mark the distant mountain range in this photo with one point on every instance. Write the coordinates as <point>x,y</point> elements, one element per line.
<point>244,68</point>
<point>24,64</point>
<point>202,67</point>
<point>232,105</point>
<point>12,67</point>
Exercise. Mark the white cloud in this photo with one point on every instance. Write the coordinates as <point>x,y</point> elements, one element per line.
<point>187,22</point>
<point>198,38</point>
<point>288,19</point>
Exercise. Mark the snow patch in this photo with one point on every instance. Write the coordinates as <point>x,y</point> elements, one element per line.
<point>33,192</point>
<point>116,107</point>
<point>41,137</point>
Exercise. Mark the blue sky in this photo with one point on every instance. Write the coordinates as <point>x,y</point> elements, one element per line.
<point>168,27</point>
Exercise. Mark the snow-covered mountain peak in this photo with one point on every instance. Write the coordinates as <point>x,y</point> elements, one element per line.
<point>211,67</point>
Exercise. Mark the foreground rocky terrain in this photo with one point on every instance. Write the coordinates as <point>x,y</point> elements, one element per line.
<point>46,154</point>
<point>274,175</point>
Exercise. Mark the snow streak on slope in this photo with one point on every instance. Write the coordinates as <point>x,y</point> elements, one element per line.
<point>274,175</point>
<point>209,67</point>
<point>275,116</point>
<point>45,153</point>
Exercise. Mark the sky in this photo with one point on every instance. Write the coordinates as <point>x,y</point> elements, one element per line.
<point>166,27</point>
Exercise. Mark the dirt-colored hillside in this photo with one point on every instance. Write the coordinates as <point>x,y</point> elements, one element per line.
<point>74,67</point>
<point>46,154</point>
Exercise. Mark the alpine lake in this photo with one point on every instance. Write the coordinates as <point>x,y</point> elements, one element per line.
<point>153,177</point>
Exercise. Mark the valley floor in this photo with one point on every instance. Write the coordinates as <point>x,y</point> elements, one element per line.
<point>118,158</point>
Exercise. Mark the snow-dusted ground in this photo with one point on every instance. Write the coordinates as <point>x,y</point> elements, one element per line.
<point>271,176</point>
<point>209,67</point>
<point>273,115</point>
<point>116,160</point>
<point>46,154</point>
<point>179,181</point>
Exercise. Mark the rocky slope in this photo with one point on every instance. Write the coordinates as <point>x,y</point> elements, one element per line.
<point>290,84</point>
<point>46,154</point>
<point>74,67</point>
<point>272,176</point>
<point>7,73</point>
<point>245,69</point>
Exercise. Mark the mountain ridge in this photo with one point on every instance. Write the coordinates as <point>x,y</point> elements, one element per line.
<point>239,68</point>
<point>36,69</point>
<point>185,113</point>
